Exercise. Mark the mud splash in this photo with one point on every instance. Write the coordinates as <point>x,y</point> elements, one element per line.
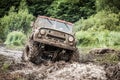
<point>18,70</point>
<point>61,71</point>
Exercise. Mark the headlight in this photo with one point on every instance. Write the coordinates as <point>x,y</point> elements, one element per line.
<point>71,39</point>
<point>42,32</point>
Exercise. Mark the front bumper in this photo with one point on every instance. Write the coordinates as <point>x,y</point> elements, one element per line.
<point>56,44</point>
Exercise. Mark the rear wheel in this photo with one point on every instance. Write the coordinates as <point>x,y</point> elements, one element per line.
<point>75,56</point>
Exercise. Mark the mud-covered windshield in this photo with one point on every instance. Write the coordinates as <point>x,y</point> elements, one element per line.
<point>47,23</point>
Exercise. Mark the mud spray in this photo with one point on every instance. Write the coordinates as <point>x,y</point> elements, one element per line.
<point>61,70</point>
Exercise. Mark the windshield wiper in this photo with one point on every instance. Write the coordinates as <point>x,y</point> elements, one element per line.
<point>67,26</point>
<point>50,21</point>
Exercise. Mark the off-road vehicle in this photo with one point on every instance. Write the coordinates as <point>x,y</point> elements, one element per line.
<point>51,39</point>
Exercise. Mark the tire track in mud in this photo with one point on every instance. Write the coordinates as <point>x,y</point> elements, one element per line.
<point>11,54</point>
<point>55,71</point>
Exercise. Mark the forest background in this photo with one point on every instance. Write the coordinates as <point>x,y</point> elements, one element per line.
<point>97,22</point>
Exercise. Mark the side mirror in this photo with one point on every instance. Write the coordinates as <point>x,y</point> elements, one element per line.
<point>31,24</point>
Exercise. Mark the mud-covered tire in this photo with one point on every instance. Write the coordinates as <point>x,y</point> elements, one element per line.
<point>31,50</point>
<point>75,57</point>
<point>25,54</point>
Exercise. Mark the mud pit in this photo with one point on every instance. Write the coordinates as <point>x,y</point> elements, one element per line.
<point>61,70</point>
<point>58,71</point>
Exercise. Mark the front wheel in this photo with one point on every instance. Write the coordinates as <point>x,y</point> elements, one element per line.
<point>25,54</point>
<point>32,53</point>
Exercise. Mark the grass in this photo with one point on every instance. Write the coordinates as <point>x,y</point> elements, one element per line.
<point>98,39</point>
<point>16,38</point>
<point>88,40</point>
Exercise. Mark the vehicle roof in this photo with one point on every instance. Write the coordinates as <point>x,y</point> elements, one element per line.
<point>56,19</point>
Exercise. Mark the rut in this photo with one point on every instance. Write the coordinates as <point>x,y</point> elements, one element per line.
<point>53,71</point>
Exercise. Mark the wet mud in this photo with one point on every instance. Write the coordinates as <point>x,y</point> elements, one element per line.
<point>12,68</point>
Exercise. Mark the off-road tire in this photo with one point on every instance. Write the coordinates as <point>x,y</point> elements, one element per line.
<point>25,54</point>
<point>75,57</point>
<point>31,52</point>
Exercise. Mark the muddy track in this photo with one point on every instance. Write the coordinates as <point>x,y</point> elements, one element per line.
<point>52,71</point>
<point>12,54</point>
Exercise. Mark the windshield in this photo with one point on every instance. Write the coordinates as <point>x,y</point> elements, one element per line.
<point>47,23</point>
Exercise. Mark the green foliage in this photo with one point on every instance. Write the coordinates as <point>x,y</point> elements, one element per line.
<point>98,39</point>
<point>16,21</point>
<point>38,7</point>
<point>3,31</point>
<point>18,18</point>
<point>109,5</point>
<point>99,29</point>
<point>5,5</point>
<point>16,38</point>
<point>63,9</point>
<point>71,10</point>
<point>100,21</point>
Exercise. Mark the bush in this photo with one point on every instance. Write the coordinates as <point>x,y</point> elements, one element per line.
<point>16,21</point>
<point>3,32</point>
<point>98,39</point>
<point>112,5</point>
<point>16,38</point>
<point>101,21</point>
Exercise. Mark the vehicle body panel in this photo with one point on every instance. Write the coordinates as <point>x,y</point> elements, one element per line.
<point>54,36</point>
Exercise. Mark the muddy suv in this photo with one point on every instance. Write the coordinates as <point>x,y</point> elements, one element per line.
<point>51,39</point>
